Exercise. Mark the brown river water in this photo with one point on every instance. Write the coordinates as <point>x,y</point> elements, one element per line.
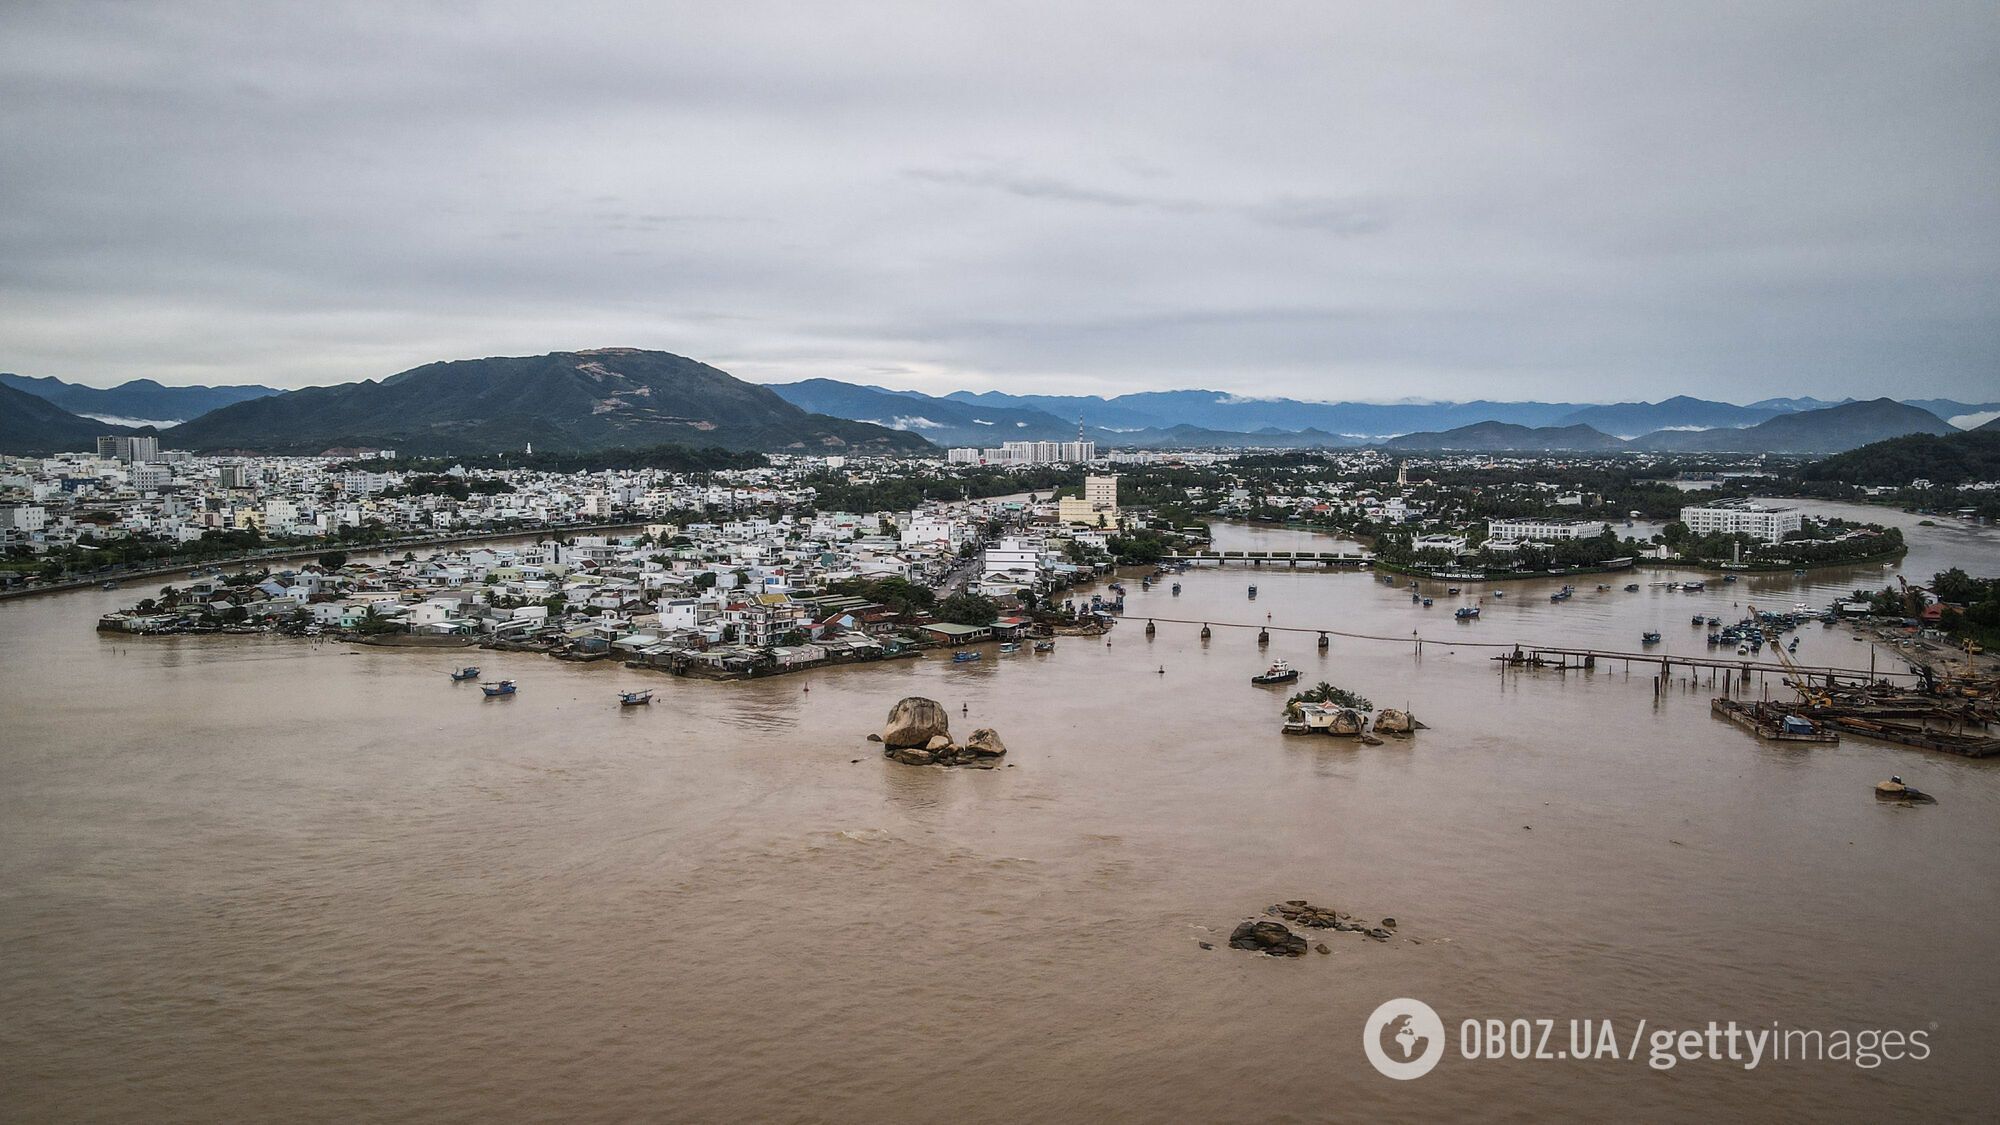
<point>266,879</point>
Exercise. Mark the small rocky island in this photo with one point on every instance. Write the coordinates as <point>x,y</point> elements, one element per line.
<point>1278,940</point>
<point>918,733</point>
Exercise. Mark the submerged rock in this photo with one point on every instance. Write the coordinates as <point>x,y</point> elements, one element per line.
<point>914,721</point>
<point>1273,938</point>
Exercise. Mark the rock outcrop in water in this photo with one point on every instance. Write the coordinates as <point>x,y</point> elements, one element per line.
<point>919,734</point>
<point>1299,912</point>
<point>913,722</point>
<point>1273,938</point>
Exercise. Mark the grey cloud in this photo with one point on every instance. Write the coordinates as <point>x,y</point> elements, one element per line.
<point>1327,200</point>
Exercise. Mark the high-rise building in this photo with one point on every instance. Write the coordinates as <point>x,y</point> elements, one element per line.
<point>128,448</point>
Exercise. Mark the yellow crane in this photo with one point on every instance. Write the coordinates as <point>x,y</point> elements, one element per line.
<point>1800,683</point>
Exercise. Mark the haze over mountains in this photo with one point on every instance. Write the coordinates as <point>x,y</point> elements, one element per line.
<point>626,397</point>
<point>139,402</point>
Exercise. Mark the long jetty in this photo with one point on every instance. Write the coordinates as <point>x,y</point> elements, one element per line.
<point>1272,558</point>
<point>1521,654</point>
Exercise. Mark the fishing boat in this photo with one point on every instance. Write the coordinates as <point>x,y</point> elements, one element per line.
<point>1453,590</point>
<point>1729,578</point>
<point>1694,587</point>
<point>1466,613</point>
<point>1045,646</point>
<point>466,673</point>
<point>110,585</point>
<point>635,698</point>
<point>1414,598</point>
<point>1253,591</point>
<point>1649,638</point>
<point>1427,603</point>
<point>964,657</point>
<point>504,687</point>
<point>1631,587</point>
<point>1279,673</point>
<point>1009,647</point>
<point>1700,620</point>
<point>1177,589</point>
<point>1499,593</point>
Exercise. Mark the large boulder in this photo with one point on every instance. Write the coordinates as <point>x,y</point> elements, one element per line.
<point>1391,721</point>
<point>985,742</point>
<point>913,722</point>
<point>1274,938</point>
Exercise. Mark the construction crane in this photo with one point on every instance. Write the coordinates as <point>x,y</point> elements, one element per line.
<point>1798,678</point>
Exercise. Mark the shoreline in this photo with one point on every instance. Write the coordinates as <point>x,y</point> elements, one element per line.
<point>284,553</point>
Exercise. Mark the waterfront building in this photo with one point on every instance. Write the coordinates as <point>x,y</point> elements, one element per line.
<point>1769,524</point>
<point>1544,531</point>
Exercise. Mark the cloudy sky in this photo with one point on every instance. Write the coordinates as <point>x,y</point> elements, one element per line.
<point>1587,201</point>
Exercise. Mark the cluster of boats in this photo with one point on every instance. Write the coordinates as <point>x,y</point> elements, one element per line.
<point>501,688</point>
<point>1007,648</point>
<point>1750,634</point>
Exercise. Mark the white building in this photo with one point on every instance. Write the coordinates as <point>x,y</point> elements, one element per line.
<point>1013,560</point>
<point>1768,524</point>
<point>1544,531</point>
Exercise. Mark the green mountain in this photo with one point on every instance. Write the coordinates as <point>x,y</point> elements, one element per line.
<point>1948,459</point>
<point>1832,430</point>
<point>29,424</point>
<point>1498,437</point>
<point>138,399</point>
<point>563,401</point>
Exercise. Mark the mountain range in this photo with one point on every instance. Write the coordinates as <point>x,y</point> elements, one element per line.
<point>1831,429</point>
<point>563,401</point>
<point>32,424</point>
<point>613,397</point>
<point>139,402</point>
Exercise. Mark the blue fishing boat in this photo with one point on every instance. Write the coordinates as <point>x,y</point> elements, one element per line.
<point>504,687</point>
<point>1649,638</point>
<point>466,673</point>
<point>1177,589</point>
<point>964,657</point>
<point>1253,591</point>
<point>634,698</point>
<point>1466,613</point>
<point>1008,647</point>
<point>1427,603</point>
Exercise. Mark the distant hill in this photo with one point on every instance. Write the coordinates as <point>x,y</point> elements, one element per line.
<point>1951,410</point>
<point>985,423</point>
<point>30,424</point>
<point>1797,404</point>
<point>1221,411</point>
<point>563,401</point>
<point>137,401</point>
<point>941,420</point>
<point>1832,430</point>
<point>1497,437</point>
<point>1948,459</point>
<point>1630,419</point>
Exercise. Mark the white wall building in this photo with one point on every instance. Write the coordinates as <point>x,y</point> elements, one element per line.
<point>1768,524</point>
<point>1544,531</point>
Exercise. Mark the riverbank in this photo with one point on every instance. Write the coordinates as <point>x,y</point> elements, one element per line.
<point>283,554</point>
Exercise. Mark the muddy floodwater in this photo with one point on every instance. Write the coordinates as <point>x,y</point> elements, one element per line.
<point>267,879</point>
